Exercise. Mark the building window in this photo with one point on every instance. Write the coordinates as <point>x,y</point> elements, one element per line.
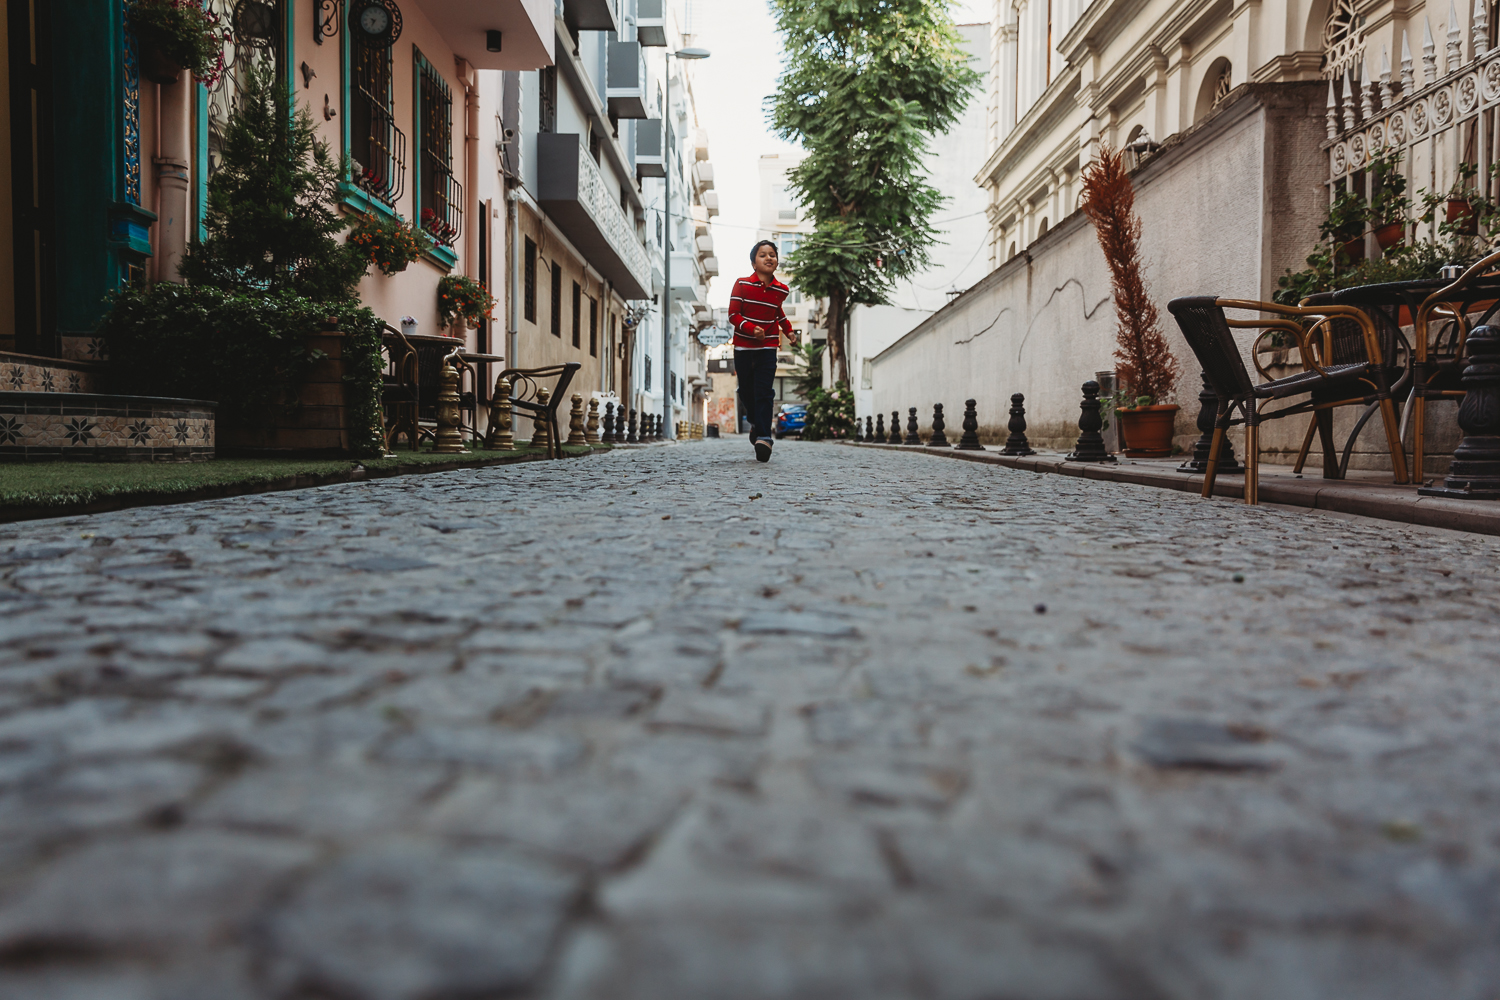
<point>530,279</point>
<point>377,148</point>
<point>243,54</point>
<point>556,300</point>
<point>787,244</point>
<point>1221,89</point>
<point>593,328</point>
<point>547,100</point>
<point>577,314</point>
<point>1343,39</point>
<point>440,198</point>
<point>647,380</point>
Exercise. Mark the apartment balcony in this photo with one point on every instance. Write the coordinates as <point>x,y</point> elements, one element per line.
<point>648,158</point>
<point>687,279</point>
<point>573,194</point>
<point>700,219</point>
<point>527,30</point>
<point>711,203</point>
<point>711,266</point>
<point>591,15</point>
<point>650,23</point>
<point>625,81</point>
<point>705,246</point>
<point>703,175</point>
<point>700,143</point>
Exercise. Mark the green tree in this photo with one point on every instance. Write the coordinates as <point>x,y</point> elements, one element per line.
<point>865,85</point>
<point>271,220</point>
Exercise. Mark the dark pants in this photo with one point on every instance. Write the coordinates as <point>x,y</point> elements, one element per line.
<point>757,374</point>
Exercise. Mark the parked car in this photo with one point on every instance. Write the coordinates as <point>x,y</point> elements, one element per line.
<point>791,420</point>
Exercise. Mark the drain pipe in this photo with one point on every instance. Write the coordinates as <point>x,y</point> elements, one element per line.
<point>513,333</point>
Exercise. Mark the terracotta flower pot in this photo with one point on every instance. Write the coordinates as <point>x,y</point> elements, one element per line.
<point>1353,248</point>
<point>156,65</point>
<point>1460,211</point>
<point>1390,234</point>
<point>1147,430</point>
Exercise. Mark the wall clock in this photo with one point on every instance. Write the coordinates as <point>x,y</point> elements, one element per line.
<point>375,23</point>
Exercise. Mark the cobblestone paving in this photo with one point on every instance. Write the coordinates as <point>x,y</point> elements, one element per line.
<point>668,723</point>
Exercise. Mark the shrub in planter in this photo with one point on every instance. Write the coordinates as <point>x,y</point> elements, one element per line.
<point>830,413</point>
<point>177,35</point>
<point>248,352</point>
<point>462,302</point>
<point>390,244</point>
<point>1144,362</point>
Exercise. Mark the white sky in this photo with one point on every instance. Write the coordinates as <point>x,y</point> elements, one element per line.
<point>730,88</point>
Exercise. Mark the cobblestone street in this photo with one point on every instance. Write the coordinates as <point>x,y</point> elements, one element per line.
<point>666,723</point>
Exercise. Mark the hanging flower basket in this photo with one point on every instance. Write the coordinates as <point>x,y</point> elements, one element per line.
<point>177,35</point>
<point>1390,234</point>
<point>1461,215</point>
<point>462,303</point>
<point>390,244</point>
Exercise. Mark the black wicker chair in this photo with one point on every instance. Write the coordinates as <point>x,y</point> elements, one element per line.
<point>524,383</point>
<point>1328,383</point>
<point>398,390</point>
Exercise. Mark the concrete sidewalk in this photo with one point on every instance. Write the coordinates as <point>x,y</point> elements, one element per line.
<point>1368,494</point>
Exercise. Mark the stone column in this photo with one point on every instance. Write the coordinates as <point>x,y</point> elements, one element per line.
<point>173,177</point>
<point>1007,73</point>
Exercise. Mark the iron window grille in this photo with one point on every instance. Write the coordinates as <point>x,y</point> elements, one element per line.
<point>376,145</point>
<point>440,197</point>
<point>577,314</point>
<point>556,300</point>
<point>547,100</point>
<point>530,280</point>
<point>242,55</point>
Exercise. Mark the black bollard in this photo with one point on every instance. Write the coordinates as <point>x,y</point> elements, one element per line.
<point>1475,472</point>
<point>938,439</point>
<point>895,437</point>
<point>619,437</point>
<point>1090,446</point>
<point>631,438</point>
<point>608,436</point>
<point>880,428</point>
<point>869,430</point>
<point>1017,444</point>
<point>1208,411</point>
<point>970,439</point>
<point>913,433</point>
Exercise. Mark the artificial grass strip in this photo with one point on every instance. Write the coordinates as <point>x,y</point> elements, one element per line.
<point>70,484</point>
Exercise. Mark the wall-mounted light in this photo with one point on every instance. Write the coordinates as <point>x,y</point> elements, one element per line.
<point>492,41</point>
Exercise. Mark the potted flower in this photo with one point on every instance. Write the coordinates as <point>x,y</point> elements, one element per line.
<point>389,243</point>
<point>462,303</point>
<point>1389,207</point>
<point>176,35</point>
<point>1345,225</point>
<point>1146,364</point>
<point>1460,217</point>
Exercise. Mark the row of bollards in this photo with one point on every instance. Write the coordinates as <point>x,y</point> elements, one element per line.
<point>1016,444</point>
<point>1088,448</point>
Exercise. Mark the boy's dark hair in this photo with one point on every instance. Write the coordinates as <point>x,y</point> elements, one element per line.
<point>756,249</point>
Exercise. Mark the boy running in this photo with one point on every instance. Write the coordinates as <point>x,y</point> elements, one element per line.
<point>756,315</point>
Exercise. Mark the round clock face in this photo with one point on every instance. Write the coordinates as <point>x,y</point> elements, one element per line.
<point>375,19</point>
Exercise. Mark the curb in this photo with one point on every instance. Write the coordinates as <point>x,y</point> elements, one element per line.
<point>303,481</point>
<point>1384,502</point>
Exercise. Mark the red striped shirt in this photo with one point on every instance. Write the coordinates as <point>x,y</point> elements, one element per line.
<point>755,304</point>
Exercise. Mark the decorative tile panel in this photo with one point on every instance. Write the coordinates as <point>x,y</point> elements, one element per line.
<point>42,426</point>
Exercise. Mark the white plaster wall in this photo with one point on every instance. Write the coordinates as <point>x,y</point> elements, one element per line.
<point>1042,324</point>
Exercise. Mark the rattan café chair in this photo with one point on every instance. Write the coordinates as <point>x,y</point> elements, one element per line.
<point>1210,334</point>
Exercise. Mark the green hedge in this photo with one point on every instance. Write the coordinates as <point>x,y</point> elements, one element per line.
<point>246,351</point>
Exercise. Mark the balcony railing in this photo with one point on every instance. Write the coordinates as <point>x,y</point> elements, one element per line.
<point>443,201</point>
<point>379,149</point>
<point>574,194</point>
<point>650,25</point>
<point>1444,128</point>
<point>625,89</point>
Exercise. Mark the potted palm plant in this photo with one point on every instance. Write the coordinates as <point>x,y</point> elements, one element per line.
<point>1144,362</point>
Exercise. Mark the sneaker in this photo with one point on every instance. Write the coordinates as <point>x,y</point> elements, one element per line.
<point>763,451</point>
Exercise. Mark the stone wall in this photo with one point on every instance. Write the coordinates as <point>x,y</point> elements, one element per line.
<point>1226,208</point>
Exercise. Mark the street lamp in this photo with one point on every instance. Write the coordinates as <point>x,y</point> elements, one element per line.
<point>666,298</point>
